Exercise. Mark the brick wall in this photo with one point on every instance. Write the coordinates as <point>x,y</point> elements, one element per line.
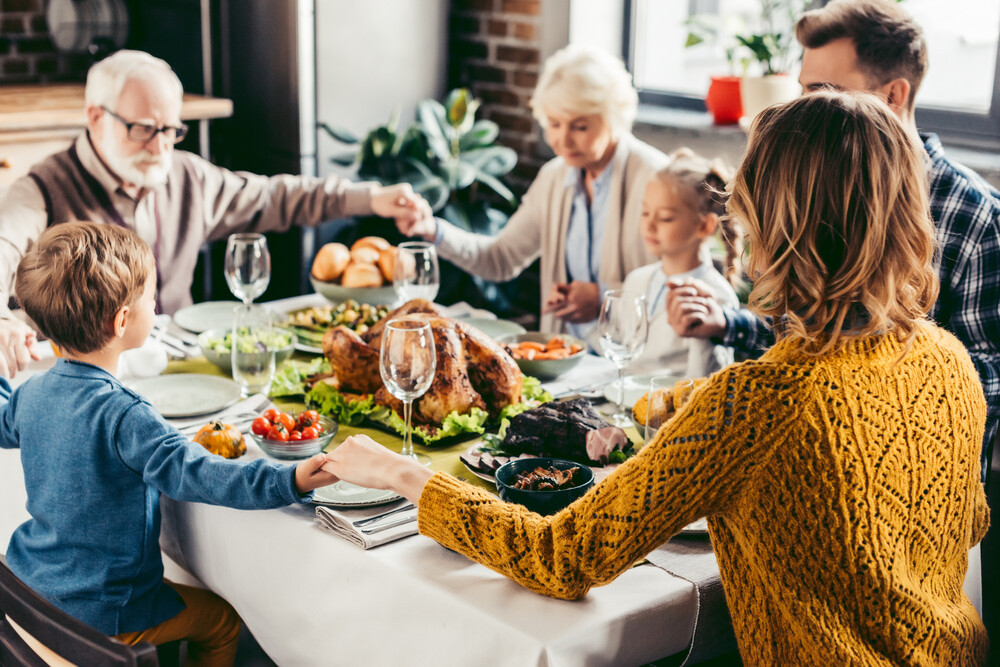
<point>26,51</point>
<point>495,51</point>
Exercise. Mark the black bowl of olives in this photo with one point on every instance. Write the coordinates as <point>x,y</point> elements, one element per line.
<point>543,485</point>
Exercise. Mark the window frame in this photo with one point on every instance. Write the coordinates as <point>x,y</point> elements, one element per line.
<point>977,130</point>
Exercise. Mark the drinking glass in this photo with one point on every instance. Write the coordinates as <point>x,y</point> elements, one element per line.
<point>253,360</point>
<point>622,327</point>
<point>416,275</point>
<point>407,362</point>
<point>666,394</point>
<point>248,266</point>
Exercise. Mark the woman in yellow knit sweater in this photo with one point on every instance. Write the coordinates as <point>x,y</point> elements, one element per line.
<point>839,472</point>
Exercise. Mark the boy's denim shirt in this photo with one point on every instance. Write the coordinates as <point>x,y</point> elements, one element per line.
<point>96,457</point>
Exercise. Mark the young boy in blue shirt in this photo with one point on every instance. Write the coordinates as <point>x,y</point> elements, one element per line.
<point>95,467</point>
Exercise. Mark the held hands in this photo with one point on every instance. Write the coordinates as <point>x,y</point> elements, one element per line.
<point>18,347</point>
<point>693,311</point>
<point>310,475</point>
<point>574,302</point>
<point>399,202</point>
<point>362,461</point>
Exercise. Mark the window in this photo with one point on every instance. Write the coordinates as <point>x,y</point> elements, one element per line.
<point>960,96</point>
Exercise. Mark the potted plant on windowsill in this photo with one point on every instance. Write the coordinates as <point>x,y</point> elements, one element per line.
<point>767,52</point>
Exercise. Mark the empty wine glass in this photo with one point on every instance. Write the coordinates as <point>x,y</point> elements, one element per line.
<point>407,362</point>
<point>666,394</point>
<point>622,326</point>
<point>248,266</point>
<point>416,274</point>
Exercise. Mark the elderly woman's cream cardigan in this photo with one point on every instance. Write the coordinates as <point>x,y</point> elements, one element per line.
<point>538,227</point>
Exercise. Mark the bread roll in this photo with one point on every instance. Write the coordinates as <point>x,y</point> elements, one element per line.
<point>361,275</point>
<point>387,263</point>
<point>364,255</point>
<point>376,242</point>
<point>330,261</point>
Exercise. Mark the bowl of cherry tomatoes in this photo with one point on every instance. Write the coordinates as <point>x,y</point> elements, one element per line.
<point>285,436</point>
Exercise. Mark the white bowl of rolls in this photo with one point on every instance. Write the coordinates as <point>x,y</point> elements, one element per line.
<point>362,272</point>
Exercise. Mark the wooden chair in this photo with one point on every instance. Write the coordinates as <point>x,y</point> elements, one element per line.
<point>34,633</point>
<point>989,552</point>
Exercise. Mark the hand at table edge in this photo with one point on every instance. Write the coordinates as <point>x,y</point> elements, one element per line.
<point>362,461</point>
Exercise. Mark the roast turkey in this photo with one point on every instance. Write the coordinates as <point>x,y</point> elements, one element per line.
<point>473,371</point>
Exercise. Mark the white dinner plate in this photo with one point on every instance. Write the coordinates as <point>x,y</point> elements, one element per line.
<point>207,315</point>
<point>494,328</point>
<point>187,394</point>
<point>345,494</point>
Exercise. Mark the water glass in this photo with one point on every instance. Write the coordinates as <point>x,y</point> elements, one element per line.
<point>253,360</point>
<point>407,363</point>
<point>622,326</point>
<point>248,266</point>
<point>666,394</point>
<point>416,275</point>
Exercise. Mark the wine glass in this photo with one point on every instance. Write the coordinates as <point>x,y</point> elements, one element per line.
<point>248,266</point>
<point>666,394</point>
<point>416,275</point>
<point>622,326</point>
<point>407,362</point>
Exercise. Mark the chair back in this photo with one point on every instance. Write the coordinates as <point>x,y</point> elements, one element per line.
<point>989,552</point>
<point>72,640</point>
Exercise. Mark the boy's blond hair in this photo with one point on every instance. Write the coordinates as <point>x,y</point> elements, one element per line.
<point>76,278</point>
<point>833,194</point>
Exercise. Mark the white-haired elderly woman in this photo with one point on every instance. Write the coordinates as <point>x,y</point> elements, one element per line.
<point>581,213</point>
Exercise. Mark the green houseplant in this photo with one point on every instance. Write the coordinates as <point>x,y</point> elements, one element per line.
<point>447,156</point>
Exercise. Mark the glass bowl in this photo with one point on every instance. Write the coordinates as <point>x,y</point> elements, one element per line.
<point>300,449</point>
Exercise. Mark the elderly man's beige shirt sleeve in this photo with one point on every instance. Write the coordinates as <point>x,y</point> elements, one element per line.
<point>236,201</point>
<point>23,218</point>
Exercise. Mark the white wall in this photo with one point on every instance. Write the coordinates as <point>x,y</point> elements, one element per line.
<point>373,56</point>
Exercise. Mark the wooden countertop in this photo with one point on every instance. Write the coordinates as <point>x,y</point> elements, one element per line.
<point>45,107</point>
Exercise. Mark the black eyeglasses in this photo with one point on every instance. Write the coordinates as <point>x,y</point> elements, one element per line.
<point>142,133</point>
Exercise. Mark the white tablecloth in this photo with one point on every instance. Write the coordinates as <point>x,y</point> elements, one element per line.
<point>310,598</point>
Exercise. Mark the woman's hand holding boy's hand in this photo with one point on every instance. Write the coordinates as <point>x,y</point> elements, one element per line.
<point>18,347</point>
<point>310,475</point>
<point>362,461</point>
<point>574,302</point>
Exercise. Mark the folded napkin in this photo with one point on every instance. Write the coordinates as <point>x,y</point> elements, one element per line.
<point>341,523</point>
<point>691,557</point>
<point>241,411</point>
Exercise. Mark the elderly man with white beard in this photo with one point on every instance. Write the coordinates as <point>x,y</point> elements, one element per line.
<point>124,171</point>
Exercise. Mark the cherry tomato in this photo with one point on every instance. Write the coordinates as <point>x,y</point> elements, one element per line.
<point>285,420</point>
<point>309,433</point>
<point>260,426</point>
<point>271,415</point>
<point>308,418</point>
<point>278,433</point>
<point>295,436</point>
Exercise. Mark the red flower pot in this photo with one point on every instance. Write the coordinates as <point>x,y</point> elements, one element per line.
<point>724,100</point>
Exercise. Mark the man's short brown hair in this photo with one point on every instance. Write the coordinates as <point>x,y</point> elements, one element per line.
<point>889,43</point>
<point>76,278</point>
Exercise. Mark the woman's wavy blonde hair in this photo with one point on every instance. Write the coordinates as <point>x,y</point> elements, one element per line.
<point>833,195</point>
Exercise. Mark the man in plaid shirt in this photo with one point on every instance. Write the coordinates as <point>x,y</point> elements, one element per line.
<point>874,46</point>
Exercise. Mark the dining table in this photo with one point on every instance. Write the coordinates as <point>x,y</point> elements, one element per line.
<point>312,598</point>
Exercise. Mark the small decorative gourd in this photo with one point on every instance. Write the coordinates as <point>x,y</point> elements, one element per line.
<point>222,439</point>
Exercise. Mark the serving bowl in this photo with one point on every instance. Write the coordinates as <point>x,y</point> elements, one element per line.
<point>370,295</point>
<point>547,501</point>
<point>545,369</point>
<point>215,349</point>
<point>300,449</point>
